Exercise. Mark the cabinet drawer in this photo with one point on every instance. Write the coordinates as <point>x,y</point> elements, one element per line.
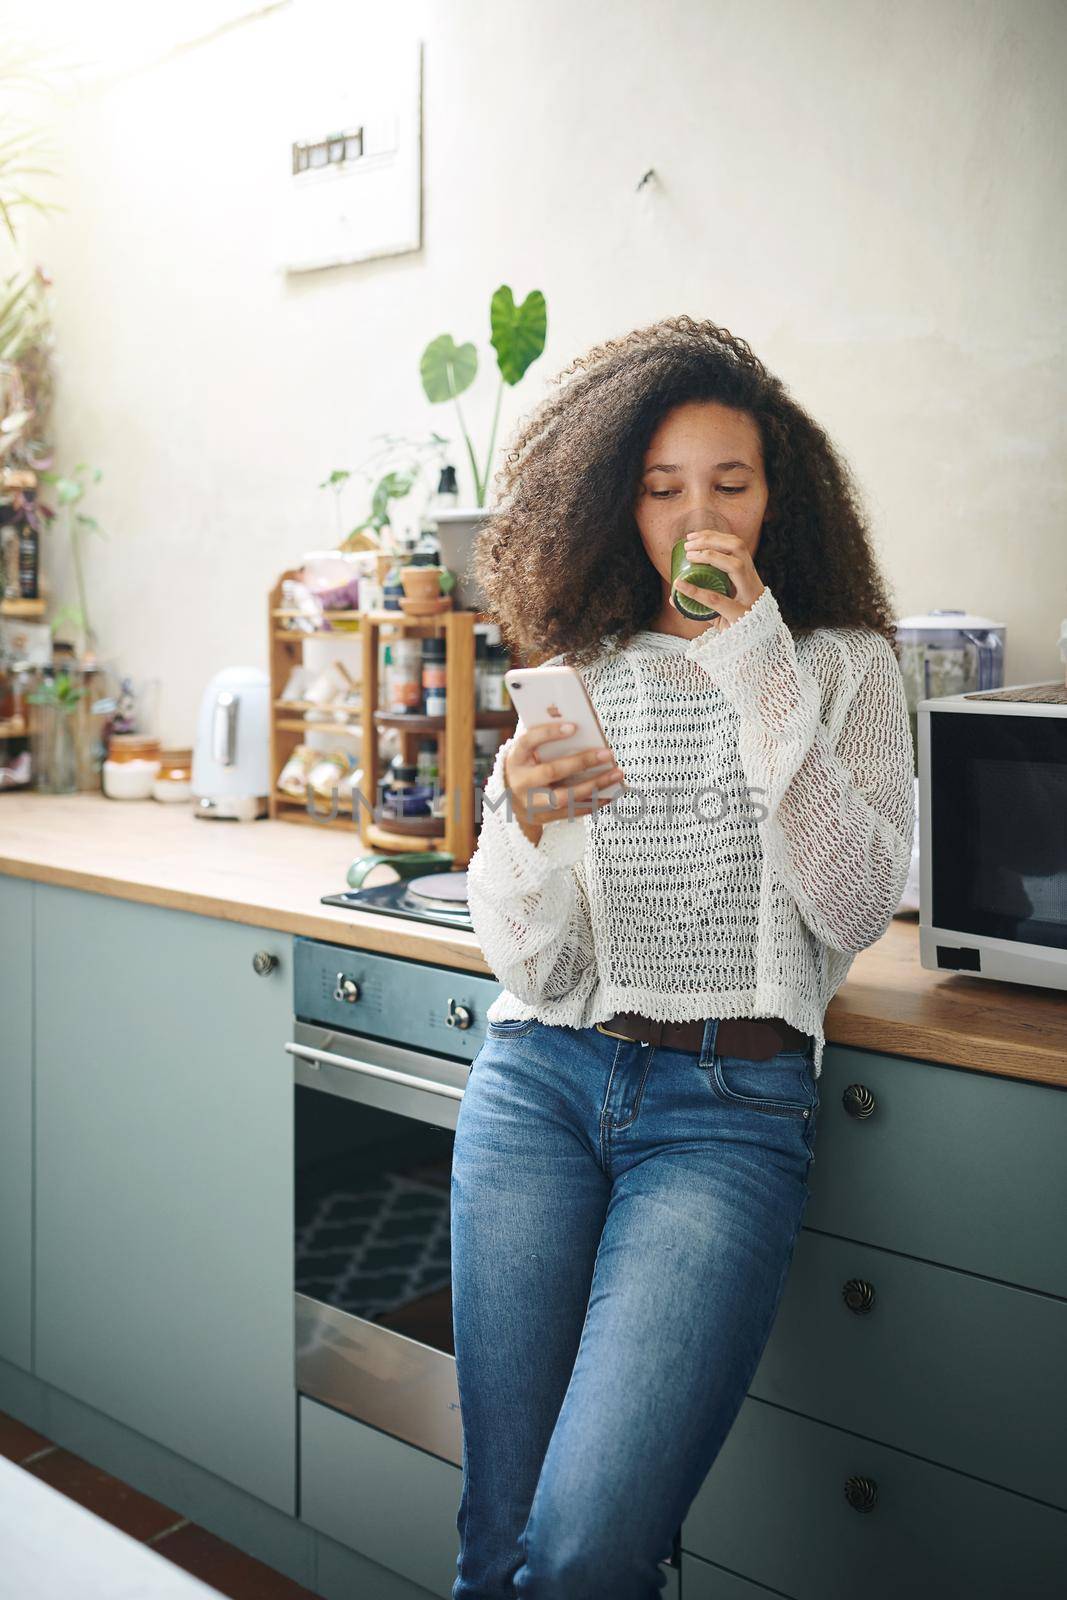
<point>395,1504</point>
<point>954,1166</point>
<point>375,1494</point>
<point>773,1508</point>
<point>961,1370</point>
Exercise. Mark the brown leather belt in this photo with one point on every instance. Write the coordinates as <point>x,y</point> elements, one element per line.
<point>753,1038</point>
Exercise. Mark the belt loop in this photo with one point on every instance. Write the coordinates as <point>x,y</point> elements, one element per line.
<point>707,1047</point>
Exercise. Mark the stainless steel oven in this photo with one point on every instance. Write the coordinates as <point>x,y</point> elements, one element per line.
<point>381,1049</point>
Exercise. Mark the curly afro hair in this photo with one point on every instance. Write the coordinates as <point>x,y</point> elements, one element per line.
<point>561,560</point>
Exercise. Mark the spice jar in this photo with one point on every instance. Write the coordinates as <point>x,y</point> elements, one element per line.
<point>405,678</point>
<point>131,766</point>
<point>174,780</point>
<point>434,677</point>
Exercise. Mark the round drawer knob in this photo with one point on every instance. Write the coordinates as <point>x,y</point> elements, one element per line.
<point>263,962</point>
<point>861,1493</point>
<point>858,1295</point>
<point>858,1100</point>
<point>458,1016</point>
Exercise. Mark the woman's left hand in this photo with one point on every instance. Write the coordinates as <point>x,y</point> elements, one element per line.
<point>731,555</point>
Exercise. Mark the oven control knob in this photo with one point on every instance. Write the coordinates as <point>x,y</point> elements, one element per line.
<point>346,989</point>
<point>458,1016</point>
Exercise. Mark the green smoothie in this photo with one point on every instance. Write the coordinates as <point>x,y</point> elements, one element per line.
<point>697,572</point>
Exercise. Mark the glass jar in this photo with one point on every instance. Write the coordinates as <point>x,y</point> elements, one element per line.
<point>174,780</point>
<point>405,679</point>
<point>434,677</point>
<point>53,751</point>
<point>131,766</point>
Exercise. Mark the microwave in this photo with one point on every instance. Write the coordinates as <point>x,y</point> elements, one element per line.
<point>993,833</point>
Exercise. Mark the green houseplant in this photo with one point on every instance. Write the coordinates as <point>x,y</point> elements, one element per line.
<point>54,758</point>
<point>393,471</point>
<point>69,493</point>
<point>517,334</point>
<point>447,370</point>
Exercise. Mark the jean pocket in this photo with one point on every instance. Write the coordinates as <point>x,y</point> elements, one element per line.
<point>510,1028</point>
<point>783,1085</point>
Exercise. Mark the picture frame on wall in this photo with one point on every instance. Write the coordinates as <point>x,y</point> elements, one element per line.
<point>352,178</point>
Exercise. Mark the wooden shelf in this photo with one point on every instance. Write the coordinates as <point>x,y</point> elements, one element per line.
<point>381,838</point>
<point>300,725</point>
<point>453,733</point>
<point>293,611</point>
<point>292,636</point>
<point>22,608</point>
<point>420,722</point>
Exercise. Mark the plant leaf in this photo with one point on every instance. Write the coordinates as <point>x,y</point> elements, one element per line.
<point>518,335</point>
<point>447,369</point>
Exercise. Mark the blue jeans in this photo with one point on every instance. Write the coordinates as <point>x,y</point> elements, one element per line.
<point>623,1220</point>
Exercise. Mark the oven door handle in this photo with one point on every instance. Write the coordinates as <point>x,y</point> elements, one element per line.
<point>326,1058</point>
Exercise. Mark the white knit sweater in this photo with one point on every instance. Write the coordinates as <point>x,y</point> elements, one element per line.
<point>784,853</point>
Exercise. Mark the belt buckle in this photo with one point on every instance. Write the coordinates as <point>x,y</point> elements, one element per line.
<point>599,1026</point>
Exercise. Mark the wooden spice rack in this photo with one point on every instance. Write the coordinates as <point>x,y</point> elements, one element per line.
<point>453,732</point>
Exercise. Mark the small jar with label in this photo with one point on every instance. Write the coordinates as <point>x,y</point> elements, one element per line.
<point>426,761</point>
<point>434,677</point>
<point>405,681</point>
<point>130,767</point>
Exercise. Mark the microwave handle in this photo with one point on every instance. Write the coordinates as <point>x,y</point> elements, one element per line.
<point>325,1058</point>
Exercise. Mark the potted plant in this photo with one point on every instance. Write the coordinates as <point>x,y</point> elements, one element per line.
<point>54,757</point>
<point>447,370</point>
<point>394,470</point>
<point>26,337</point>
<point>69,493</point>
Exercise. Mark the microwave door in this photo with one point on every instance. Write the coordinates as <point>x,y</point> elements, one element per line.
<point>998,830</point>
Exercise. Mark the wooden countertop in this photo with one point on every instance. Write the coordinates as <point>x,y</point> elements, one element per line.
<point>271,874</point>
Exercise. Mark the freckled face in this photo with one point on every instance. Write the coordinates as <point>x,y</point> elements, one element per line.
<point>702,454</point>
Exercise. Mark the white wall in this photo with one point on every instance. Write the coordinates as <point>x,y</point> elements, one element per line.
<point>871,195</point>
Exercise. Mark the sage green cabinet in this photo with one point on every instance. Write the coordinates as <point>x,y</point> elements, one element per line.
<point>815,1513</point>
<point>957,1167</point>
<point>389,1501</point>
<point>16,1124</point>
<point>164,1179</point>
<point>903,1431</point>
<point>961,1370</point>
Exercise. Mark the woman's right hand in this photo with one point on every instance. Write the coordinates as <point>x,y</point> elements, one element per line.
<point>523,773</point>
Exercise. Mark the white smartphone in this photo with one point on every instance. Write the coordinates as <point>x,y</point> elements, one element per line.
<point>547,694</point>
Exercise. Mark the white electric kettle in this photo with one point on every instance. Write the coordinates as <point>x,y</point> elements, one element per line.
<point>232,749</point>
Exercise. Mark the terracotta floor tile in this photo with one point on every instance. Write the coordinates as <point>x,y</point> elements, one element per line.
<point>17,1441</point>
<point>107,1497</point>
<point>230,1570</point>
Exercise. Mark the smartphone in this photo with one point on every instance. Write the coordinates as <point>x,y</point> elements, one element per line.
<point>544,694</point>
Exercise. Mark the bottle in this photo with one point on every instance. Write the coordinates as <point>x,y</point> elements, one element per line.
<point>434,677</point>
<point>392,588</point>
<point>481,667</point>
<point>427,551</point>
<point>29,549</point>
<point>406,682</point>
<point>498,660</point>
<point>446,497</point>
<point>426,761</point>
<point>386,677</point>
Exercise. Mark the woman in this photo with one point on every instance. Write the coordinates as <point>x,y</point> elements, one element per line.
<point>633,1147</point>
